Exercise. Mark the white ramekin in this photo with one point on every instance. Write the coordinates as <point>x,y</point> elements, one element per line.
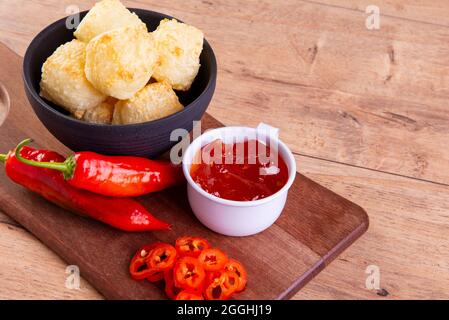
<point>237,218</point>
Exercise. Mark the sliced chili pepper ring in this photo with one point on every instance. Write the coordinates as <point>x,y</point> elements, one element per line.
<point>191,246</point>
<point>213,259</point>
<point>162,257</point>
<point>211,276</point>
<point>189,295</point>
<point>230,281</point>
<point>223,287</point>
<point>189,274</point>
<point>157,276</point>
<point>138,267</point>
<point>237,267</point>
<point>170,289</point>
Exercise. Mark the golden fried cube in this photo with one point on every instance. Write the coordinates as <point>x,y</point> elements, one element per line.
<point>64,82</point>
<point>179,46</point>
<point>104,16</point>
<point>157,100</point>
<point>101,114</point>
<point>120,62</point>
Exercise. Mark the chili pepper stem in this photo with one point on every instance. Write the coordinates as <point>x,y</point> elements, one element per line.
<point>3,158</point>
<point>67,167</point>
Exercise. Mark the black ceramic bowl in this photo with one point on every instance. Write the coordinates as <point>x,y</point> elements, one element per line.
<point>142,139</point>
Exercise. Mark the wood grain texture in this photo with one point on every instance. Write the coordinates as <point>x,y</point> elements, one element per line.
<point>433,12</point>
<point>29,270</point>
<point>353,116</point>
<point>407,238</point>
<point>319,68</point>
<point>316,224</point>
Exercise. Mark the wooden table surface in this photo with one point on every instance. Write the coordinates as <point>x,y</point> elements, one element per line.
<point>365,112</point>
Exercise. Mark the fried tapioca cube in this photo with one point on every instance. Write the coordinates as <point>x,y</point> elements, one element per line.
<point>179,46</point>
<point>120,62</point>
<point>101,114</point>
<point>157,100</point>
<point>63,80</point>
<point>104,16</point>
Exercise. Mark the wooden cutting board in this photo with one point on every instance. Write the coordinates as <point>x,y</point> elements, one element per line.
<point>315,226</point>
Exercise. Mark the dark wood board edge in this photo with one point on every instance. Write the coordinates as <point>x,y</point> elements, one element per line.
<point>326,259</point>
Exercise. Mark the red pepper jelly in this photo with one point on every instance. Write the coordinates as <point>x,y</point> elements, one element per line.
<point>242,171</point>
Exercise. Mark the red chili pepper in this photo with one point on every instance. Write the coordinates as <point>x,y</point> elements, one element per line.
<point>138,268</point>
<point>158,276</point>
<point>213,259</point>
<point>222,287</point>
<point>162,257</point>
<point>150,261</point>
<point>170,289</point>
<point>237,267</point>
<point>114,176</point>
<point>189,274</point>
<point>121,213</point>
<point>191,246</point>
<point>189,295</point>
<point>211,276</point>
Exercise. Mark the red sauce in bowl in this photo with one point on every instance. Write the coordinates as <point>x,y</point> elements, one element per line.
<point>243,171</point>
